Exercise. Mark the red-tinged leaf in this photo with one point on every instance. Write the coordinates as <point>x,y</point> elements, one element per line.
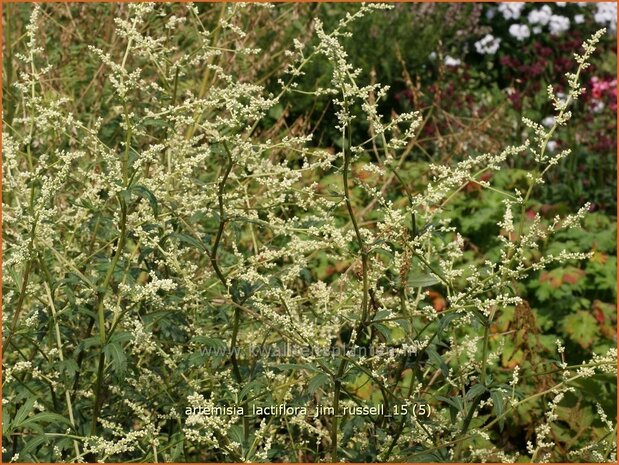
<point>554,278</point>
<point>573,275</point>
<point>599,257</point>
<point>438,301</point>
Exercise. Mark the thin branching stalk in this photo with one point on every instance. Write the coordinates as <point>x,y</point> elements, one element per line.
<point>101,313</point>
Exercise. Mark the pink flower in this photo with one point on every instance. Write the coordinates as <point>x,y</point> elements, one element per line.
<point>600,86</point>
<point>604,90</point>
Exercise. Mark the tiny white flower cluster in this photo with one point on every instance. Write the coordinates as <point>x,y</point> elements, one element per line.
<point>606,14</point>
<point>520,31</point>
<point>543,432</point>
<point>511,10</point>
<point>487,45</point>
<point>557,24</point>
<point>451,61</point>
<point>150,290</point>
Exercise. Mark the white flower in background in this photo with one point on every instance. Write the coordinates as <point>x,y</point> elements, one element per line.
<point>511,10</point>
<point>432,56</point>
<point>490,12</point>
<point>541,16</point>
<point>558,24</point>
<point>561,4</point>
<point>552,145</point>
<point>582,4</point>
<point>561,97</point>
<point>579,19</point>
<point>549,121</point>
<point>537,29</point>
<point>520,31</point>
<point>451,61</point>
<point>487,45</point>
<point>606,14</point>
<point>598,106</point>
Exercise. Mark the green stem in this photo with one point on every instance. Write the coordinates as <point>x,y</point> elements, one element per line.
<point>23,288</point>
<point>484,354</point>
<point>206,77</point>
<point>364,301</point>
<point>353,219</point>
<point>336,406</point>
<point>222,219</point>
<point>9,65</point>
<point>213,257</point>
<point>465,427</point>
<point>101,314</point>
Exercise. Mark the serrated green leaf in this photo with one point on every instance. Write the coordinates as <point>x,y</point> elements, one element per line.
<point>497,401</point>
<point>188,240</point>
<point>476,390</point>
<point>381,315</point>
<point>121,336</point>
<point>297,366</point>
<point>69,366</point>
<point>438,361</point>
<point>422,280</point>
<point>117,355</point>
<point>479,316</point>
<point>213,343</point>
<point>32,444</point>
<point>384,330</point>
<point>44,417</point>
<point>257,383</point>
<point>236,434</point>
<point>453,401</point>
<point>23,413</point>
<point>445,320</point>
<point>6,421</point>
<point>156,123</point>
<point>143,192</point>
<point>316,382</point>
<point>88,343</point>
